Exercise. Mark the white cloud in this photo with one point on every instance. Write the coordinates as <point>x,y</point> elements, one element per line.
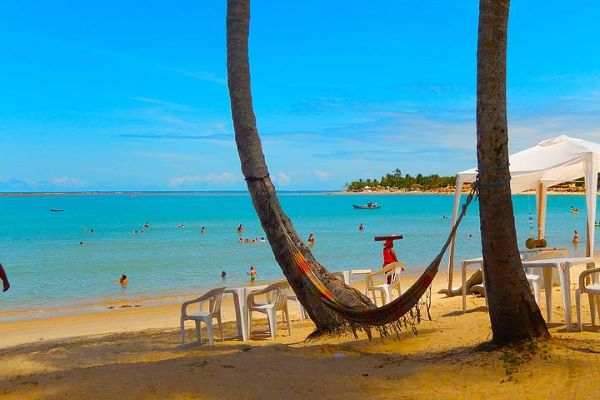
<point>66,181</point>
<point>321,175</point>
<point>282,178</point>
<point>221,178</point>
<point>201,75</point>
<point>166,156</point>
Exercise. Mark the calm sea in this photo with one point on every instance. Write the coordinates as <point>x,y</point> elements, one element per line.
<point>48,267</point>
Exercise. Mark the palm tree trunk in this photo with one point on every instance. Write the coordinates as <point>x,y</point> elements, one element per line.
<point>514,314</point>
<point>280,232</point>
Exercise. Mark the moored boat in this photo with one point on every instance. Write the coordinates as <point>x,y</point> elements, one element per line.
<point>370,205</point>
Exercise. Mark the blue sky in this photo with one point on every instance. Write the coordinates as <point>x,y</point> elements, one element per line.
<point>132,95</point>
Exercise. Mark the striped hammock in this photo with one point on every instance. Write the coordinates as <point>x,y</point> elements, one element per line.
<point>390,312</point>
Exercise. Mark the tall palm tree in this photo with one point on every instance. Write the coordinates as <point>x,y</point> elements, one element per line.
<point>514,314</point>
<point>280,232</point>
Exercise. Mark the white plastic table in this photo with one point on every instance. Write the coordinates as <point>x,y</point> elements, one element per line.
<point>240,298</point>
<point>353,272</point>
<point>346,274</point>
<point>563,266</point>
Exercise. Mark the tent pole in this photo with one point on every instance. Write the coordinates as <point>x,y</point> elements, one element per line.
<point>541,209</point>
<point>591,187</point>
<point>457,197</point>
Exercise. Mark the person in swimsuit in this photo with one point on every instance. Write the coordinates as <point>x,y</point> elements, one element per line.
<point>123,281</point>
<point>4,278</point>
<point>389,256</point>
<point>252,273</point>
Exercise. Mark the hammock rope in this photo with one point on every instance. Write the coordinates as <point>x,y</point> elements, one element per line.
<point>394,310</point>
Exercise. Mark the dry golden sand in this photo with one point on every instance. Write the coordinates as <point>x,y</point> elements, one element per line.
<point>75,357</point>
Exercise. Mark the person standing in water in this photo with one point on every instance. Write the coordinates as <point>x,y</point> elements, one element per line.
<point>252,273</point>
<point>311,240</point>
<point>575,237</point>
<point>361,227</point>
<point>123,281</point>
<point>202,230</point>
<point>4,278</point>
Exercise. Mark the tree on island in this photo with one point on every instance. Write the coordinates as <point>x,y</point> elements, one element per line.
<point>513,311</point>
<point>280,232</point>
<point>395,180</point>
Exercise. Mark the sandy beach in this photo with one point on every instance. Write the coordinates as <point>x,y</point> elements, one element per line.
<point>134,352</point>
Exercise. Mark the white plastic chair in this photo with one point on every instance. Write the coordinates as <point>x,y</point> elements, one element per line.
<point>292,297</point>
<point>385,290</point>
<point>213,298</point>
<point>592,290</point>
<point>276,300</point>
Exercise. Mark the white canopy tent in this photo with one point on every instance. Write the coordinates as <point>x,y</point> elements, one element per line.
<point>550,162</point>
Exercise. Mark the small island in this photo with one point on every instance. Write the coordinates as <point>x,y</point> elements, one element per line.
<point>396,182</point>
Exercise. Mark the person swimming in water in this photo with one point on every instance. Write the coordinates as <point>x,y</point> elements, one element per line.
<point>202,230</point>
<point>252,273</point>
<point>311,240</point>
<point>4,278</point>
<point>575,237</point>
<point>123,281</point>
<point>223,275</point>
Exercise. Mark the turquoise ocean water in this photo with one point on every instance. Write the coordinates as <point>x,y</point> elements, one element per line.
<point>49,268</point>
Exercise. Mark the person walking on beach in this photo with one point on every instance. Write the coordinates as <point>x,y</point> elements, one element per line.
<point>4,278</point>
<point>252,273</point>
<point>389,256</point>
<point>123,281</point>
<point>311,240</point>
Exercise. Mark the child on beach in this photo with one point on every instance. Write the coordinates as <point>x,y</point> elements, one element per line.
<point>252,273</point>
<point>123,281</point>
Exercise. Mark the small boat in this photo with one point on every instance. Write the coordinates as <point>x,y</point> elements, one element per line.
<point>57,210</point>
<point>368,206</point>
<point>574,211</point>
